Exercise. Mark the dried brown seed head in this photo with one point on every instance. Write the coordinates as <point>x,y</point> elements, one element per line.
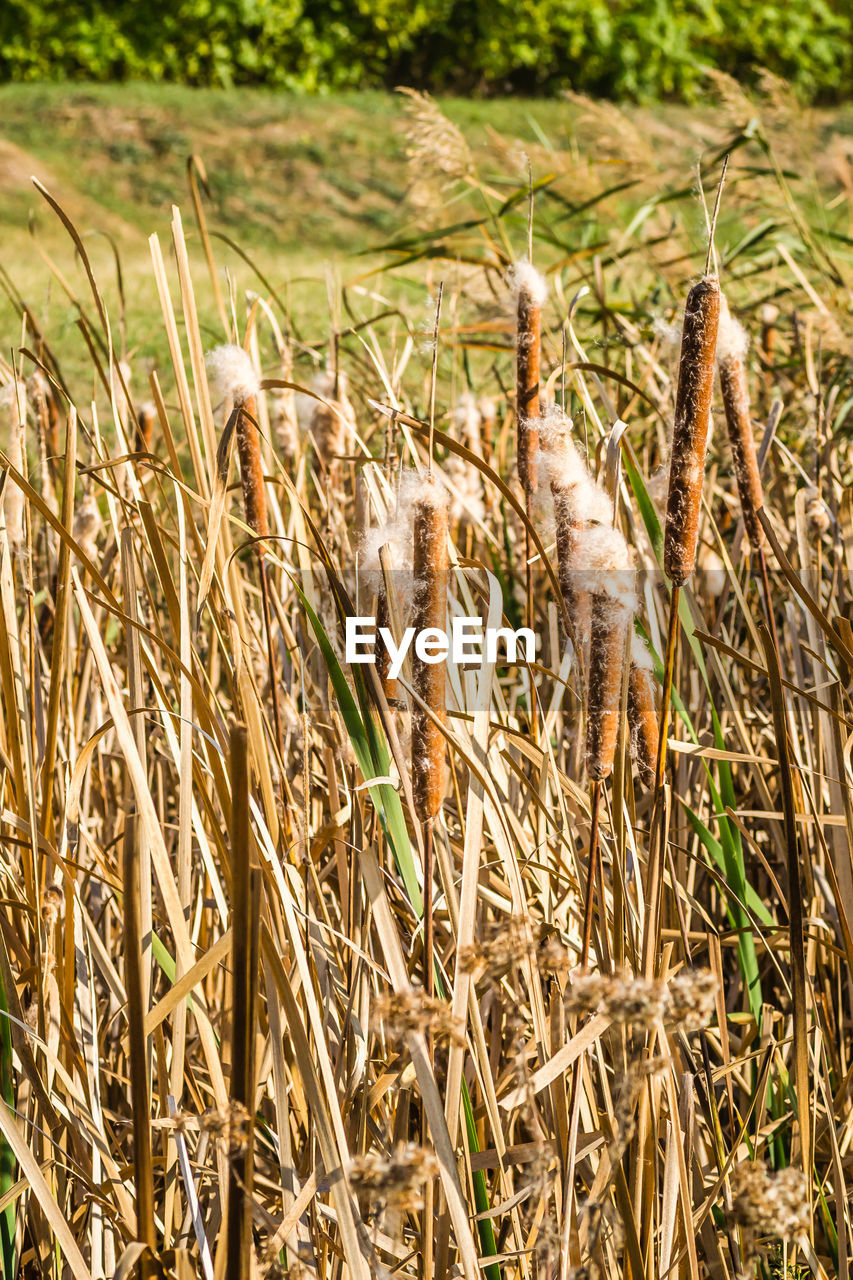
<point>690,433</point>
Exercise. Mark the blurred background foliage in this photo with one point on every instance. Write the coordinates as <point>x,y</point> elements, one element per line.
<point>622,49</point>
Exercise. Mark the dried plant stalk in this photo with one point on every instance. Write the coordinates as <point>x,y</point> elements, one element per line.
<point>245,926</point>
<point>643,721</point>
<point>528,341</point>
<point>730,362</point>
<point>430,611</point>
<point>690,433</point>
<point>383,657</point>
<point>134,985</point>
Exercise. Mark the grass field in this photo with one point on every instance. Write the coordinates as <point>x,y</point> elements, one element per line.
<point>536,970</point>
<point>301,185</point>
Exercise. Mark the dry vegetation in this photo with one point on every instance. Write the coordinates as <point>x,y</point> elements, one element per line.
<point>607,1033</point>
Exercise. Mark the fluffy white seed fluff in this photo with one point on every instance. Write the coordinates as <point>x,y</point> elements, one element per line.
<point>231,374</point>
<point>641,654</point>
<point>396,535</point>
<point>524,278</point>
<point>560,464</point>
<point>732,340</point>
<point>603,566</point>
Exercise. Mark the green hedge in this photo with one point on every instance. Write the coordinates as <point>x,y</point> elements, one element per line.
<point>611,48</point>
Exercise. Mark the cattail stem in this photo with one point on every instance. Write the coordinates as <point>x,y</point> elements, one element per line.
<point>134,984</point>
<point>245,923</point>
<point>592,870</point>
<point>668,670</point>
<point>429,923</point>
<point>768,598</point>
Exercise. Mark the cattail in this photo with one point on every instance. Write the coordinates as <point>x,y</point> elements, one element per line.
<point>43,398</point>
<point>530,290</point>
<point>234,381</point>
<point>283,420</point>
<point>145,420</point>
<point>642,717</point>
<point>333,419</point>
<point>690,433</point>
<point>430,612</point>
<point>87,524</point>
<point>817,516</point>
<point>13,415</point>
<point>603,569</point>
<point>731,351</point>
<point>578,504</point>
<point>389,546</point>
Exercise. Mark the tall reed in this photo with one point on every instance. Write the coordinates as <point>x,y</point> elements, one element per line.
<point>429,567</point>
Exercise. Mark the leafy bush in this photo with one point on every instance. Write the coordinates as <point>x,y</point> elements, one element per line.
<point>612,48</point>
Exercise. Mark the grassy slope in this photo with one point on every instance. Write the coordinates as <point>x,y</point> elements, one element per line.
<point>300,183</point>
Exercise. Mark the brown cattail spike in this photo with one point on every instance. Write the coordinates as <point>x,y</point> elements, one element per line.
<point>234,380</point>
<point>530,289</point>
<point>145,428</point>
<point>642,717</point>
<point>690,433</point>
<point>604,570</point>
<point>606,656</point>
<point>430,611</point>
<point>731,350</point>
<point>252,471</point>
<point>578,504</point>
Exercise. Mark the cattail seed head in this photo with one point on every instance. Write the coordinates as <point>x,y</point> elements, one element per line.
<point>578,504</point>
<point>430,611</point>
<point>232,375</point>
<point>817,516</point>
<point>731,351</point>
<point>234,382</point>
<point>145,427</point>
<point>87,524</point>
<point>604,570</point>
<point>642,717</point>
<point>530,290</point>
<point>333,422</point>
<point>690,433</point>
<point>251,470</point>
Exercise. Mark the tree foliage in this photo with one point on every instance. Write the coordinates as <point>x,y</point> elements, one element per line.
<point>627,49</point>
